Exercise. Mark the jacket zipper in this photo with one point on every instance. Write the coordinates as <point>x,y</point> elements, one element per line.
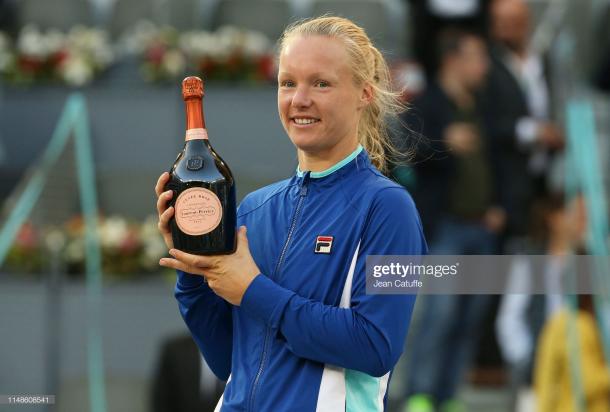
<point>302,194</point>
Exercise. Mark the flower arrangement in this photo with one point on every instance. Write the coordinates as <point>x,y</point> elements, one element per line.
<point>75,58</point>
<point>129,249</point>
<point>72,58</point>
<point>229,54</point>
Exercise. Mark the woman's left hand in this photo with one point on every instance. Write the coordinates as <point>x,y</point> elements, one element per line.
<point>227,275</point>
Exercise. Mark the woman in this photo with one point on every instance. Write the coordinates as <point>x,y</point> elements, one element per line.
<point>286,318</point>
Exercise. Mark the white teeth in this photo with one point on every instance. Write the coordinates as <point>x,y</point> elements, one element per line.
<point>305,121</point>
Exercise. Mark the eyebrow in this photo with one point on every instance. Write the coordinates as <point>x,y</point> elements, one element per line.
<point>312,76</point>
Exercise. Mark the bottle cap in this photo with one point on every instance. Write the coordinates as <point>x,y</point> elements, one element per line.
<point>192,86</point>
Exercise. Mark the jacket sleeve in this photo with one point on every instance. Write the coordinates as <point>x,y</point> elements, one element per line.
<point>370,335</point>
<point>209,319</point>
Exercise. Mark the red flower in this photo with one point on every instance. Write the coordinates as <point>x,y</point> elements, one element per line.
<point>130,244</point>
<point>235,62</point>
<point>30,64</point>
<point>59,57</point>
<point>155,53</point>
<point>27,238</point>
<point>207,66</point>
<point>266,67</point>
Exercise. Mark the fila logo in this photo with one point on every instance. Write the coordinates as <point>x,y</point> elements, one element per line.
<point>324,244</point>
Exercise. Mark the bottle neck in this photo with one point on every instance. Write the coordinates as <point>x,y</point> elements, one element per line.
<point>195,122</point>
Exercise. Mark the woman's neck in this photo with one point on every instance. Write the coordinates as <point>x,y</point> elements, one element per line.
<point>323,160</point>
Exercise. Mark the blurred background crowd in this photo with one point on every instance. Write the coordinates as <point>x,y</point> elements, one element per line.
<point>506,136</point>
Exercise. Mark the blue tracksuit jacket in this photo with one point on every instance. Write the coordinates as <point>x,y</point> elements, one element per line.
<point>307,337</point>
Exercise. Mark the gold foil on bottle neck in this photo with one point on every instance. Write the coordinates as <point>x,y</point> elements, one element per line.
<point>192,86</point>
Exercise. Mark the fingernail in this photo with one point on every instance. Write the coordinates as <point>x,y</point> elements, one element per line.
<point>172,252</point>
<point>161,261</point>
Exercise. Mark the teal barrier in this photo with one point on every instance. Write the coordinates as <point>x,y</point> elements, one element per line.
<point>74,121</point>
<point>24,205</point>
<point>586,173</point>
<point>88,198</point>
<point>584,176</point>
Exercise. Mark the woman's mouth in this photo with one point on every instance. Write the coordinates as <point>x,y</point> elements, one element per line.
<point>304,121</point>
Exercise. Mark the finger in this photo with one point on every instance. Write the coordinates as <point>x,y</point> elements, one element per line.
<point>162,201</point>
<point>178,265</point>
<point>164,219</point>
<point>161,182</point>
<point>242,237</point>
<point>192,260</point>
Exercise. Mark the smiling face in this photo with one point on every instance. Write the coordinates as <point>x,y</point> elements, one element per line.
<point>318,101</point>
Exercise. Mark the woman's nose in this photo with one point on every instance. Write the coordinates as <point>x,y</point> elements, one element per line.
<point>301,97</point>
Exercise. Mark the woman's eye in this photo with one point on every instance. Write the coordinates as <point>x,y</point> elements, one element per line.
<point>287,83</point>
<point>322,83</point>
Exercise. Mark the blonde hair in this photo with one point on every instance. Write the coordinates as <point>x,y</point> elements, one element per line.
<point>368,66</point>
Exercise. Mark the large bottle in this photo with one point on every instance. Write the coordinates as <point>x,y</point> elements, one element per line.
<point>204,189</point>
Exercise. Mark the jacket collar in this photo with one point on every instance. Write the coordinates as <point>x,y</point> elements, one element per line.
<point>357,161</point>
<point>334,168</point>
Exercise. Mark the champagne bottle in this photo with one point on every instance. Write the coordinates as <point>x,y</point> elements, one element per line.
<point>204,189</point>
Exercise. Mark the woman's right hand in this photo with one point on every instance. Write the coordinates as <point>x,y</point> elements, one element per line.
<point>165,213</point>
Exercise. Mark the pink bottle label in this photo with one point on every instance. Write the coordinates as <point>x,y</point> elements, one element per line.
<point>192,134</point>
<point>198,211</point>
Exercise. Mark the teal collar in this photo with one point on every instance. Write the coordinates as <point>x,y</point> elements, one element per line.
<point>332,169</point>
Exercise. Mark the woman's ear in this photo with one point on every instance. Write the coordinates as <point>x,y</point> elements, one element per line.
<point>367,95</point>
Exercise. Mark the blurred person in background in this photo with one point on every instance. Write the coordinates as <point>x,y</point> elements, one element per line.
<point>455,179</point>
<point>557,231</point>
<point>570,371</point>
<point>571,339</point>
<point>428,18</point>
<point>517,114</point>
<point>455,188</point>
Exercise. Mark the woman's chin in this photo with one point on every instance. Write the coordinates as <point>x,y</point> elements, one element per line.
<point>306,143</point>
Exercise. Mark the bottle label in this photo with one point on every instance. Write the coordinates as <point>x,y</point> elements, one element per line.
<point>198,211</point>
<point>192,134</point>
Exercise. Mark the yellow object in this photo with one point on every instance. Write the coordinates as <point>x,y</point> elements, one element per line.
<point>553,378</point>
